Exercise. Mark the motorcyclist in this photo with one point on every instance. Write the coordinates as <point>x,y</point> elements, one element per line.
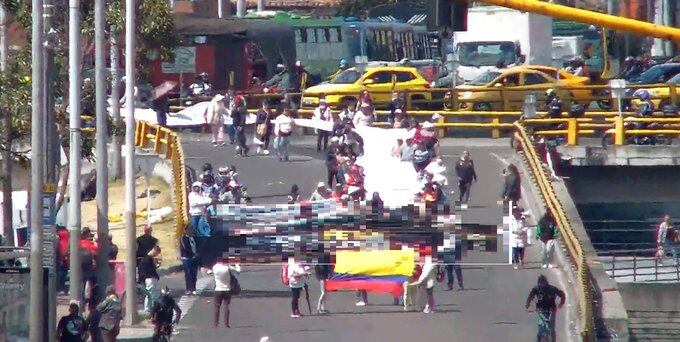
<point>553,103</point>
<point>201,87</point>
<point>162,312</point>
<point>342,67</point>
<point>281,80</point>
<point>644,109</point>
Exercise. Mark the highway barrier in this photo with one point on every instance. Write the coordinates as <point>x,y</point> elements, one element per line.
<point>167,144</point>
<point>567,235</point>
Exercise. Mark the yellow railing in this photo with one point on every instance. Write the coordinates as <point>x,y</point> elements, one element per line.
<point>572,243</point>
<point>167,143</point>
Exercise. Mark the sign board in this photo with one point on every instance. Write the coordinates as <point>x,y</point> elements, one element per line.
<point>618,88</point>
<point>49,230</point>
<point>184,63</point>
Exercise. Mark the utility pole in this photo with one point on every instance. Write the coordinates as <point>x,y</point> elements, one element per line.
<point>668,21</point>
<point>103,271</point>
<point>7,227</point>
<point>52,162</point>
<point>36,323</point>
<point>130,198</point>
<point>75,159</point>
<point>116,143</point>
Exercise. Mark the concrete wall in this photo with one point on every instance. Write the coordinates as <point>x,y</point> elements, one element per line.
<point>651,297</point>
<point>608,184</point>
<point>631,155</point>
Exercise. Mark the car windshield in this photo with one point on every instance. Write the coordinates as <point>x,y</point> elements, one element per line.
<point>485,78</point>
<point>346,77</point>
<point>486,53</point>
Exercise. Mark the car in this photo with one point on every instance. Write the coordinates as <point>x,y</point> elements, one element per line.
<point>661,95</point>
<point>485,92</point>
<point>560,74</point>
<point>378,81</point>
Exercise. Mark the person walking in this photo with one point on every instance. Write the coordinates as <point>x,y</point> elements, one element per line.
<point>145,242</point>
<point>239,117</point>
<point>323,114</point>
<point>148,273</point>
<point>465,169</point>
<point>111,311</point>
<point>450,258</point>
<point>72,327</point>
<point>197,201</point>
<point>263,129</point>
<point>512,186</point>
<point>427,278</point>
<point>666,239</point>
<point>222,271</point>
<point>283,128</point>
<point>323,271</point>
<point>214,117</point>
<point>546,230</point>
<point>519,230</point>
<point>62,259</point>
<point>297,278</point>
<point>189,255</point>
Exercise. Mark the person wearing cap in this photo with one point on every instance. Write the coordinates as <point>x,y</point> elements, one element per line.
<point>322,113</point>
<point>428,277</point>
<point>320,194</point>
<point>281,79</point>
<point>214,117</point>
<point>197,201</point>
<point>72,327</point>
<point>200,87</point>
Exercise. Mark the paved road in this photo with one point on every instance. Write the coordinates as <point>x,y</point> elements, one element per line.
<point>489,309</point>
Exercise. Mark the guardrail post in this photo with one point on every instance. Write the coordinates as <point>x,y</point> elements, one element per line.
<point>495,131</point>
<point>454,99</point>
<point>407,100</point>
<point>157,143</point>
<point>442,130</point>
<point>634,266</point>
<point>619,131</point>
<point>504,98</point>
<point>139,128</point>
<point>673,88</point>
<point>143,128</point>
<point>572,132</point>
<point>170,141</point>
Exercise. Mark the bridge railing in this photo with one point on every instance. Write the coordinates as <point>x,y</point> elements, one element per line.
<point>572,244</point>
<point>639,265</point>
<point>167,144</point>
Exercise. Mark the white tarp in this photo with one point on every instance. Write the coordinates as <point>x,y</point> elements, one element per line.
<point>187,117</point>
<point>395,180</point>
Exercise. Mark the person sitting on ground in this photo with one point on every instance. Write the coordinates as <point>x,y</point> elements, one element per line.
<point>294,195</point>
<point>377,204</point>
<point>320,194</point>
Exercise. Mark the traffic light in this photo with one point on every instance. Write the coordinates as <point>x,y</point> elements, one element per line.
<point>447,14</point>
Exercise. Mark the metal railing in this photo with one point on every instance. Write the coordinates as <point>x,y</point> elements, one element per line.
<point>573,245</point>
<point>639,265</point>
<point>167,144</point>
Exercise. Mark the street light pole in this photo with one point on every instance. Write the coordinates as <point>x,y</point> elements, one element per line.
<point>130,208</point>
<point>103,272</point>
<point>36,323</point>
<point>74,218</point>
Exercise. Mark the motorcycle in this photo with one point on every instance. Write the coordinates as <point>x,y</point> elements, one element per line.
<point>640,140</point>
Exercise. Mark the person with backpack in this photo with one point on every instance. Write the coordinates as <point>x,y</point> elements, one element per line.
<point>226,285</point>
<point>546,231</point>
<point>295,276</point>
<point>323,271</point>
<point>162,313</point>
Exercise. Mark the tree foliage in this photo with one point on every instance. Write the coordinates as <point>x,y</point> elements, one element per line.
<point>358,8</point>
<point>15,95</point>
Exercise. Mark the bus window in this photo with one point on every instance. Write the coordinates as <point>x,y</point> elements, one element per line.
<point>333,35</point>
<point>298,36</point>
<point>303,35</point>
<point>339,31</point>
<point>321,36</point>
<point>390,45</point>
<point>311,36</point>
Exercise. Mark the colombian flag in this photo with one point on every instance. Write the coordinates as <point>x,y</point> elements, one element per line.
<point>373,271</point>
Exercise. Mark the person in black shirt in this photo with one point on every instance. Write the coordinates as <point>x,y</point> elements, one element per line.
<point>323,271</point>
<point>190,259</point>
<point>145,243</point>
<point>546,295</point>
<point>465,169</point>
<point>72,328</point>
<point>239,116</point>
<point>149,276</point>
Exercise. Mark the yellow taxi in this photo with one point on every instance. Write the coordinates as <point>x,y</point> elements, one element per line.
<point>559,74</point>
<point>487,92</point>
<point>379,81</point>
<point>661,95</point>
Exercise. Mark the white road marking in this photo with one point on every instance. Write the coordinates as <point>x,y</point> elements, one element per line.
<point>186,302</point>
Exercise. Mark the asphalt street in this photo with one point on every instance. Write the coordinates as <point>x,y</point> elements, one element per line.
<point>490,308</point>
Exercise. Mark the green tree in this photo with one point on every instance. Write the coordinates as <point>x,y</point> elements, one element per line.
<point>358,8</point>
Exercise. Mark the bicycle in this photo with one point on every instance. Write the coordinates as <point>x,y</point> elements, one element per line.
<point>164,333</point>
<point>545,329</point>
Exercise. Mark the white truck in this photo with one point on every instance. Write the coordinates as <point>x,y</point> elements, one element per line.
<point>501,37</point>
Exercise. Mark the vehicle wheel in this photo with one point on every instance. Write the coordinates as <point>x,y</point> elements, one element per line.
<point>482,107</point>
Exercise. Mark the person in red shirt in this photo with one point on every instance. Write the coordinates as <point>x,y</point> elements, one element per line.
<point>62,259</point>
<point>89,250</point>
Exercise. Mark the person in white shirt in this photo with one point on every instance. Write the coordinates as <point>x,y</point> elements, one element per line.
<point>320,194</point>
<point>427,278</point>
<point>214,116</point>
<point>363,117</point>
<point>197,201</point>
<point>283,128</point>
<point>322,113</point>
<point>665,239</point>
<point>519,230</point>
<point>200,87</point>
<point>123,100</point>
<point>297,277</point>
<point>438,170</point>
<point>222,272</point>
